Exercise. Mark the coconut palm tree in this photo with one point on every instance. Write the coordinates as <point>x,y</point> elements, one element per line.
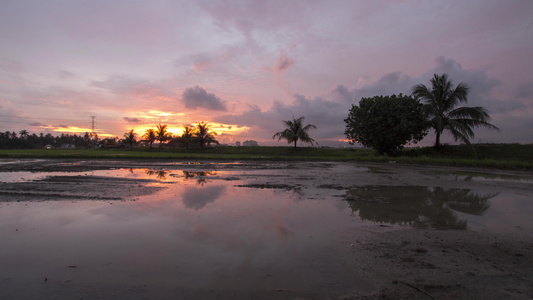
<point>130,138</point>
<point>23,134</point>
<point>440,104</point>
<point>161,134</point>
<point>150,136</point>
<point>204,134</point>
<point>296,132</point>
<point>187,135</point>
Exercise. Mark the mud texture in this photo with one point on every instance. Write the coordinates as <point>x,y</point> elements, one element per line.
<point>400,263</point>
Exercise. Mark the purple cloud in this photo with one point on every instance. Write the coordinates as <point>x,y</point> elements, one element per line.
<point>198,97</point>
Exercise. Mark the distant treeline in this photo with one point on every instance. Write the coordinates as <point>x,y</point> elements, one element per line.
<point>25,140</point>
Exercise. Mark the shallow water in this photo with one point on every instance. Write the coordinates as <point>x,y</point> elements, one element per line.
<point>229,233</point>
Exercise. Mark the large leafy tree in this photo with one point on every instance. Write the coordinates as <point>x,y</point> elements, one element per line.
<point>150,136</point>
<point>295,132</point>
<point>161,133</point>
<point>440,105</point>
<point>204,134</point>
<point>386,123</point>
<point>130,137</point>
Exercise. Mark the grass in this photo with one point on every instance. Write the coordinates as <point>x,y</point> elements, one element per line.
<point>513,156</point>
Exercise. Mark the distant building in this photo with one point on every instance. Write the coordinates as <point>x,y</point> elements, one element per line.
<point>237,144</point>
<point>250,143</point>
<point>68,146</point>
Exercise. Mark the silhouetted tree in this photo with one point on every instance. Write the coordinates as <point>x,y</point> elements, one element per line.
<point>150,136</point>
<point>440,104</point>
<point>295,132</point>
<point>161,134</point>
<point>130,138</point>
<point>386,123</point>
<point>204,134</point>
<point>187,135</point>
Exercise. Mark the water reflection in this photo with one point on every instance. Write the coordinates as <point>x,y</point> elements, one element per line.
<point>197,198</point>
<point>418,206</point>
<point>160,174</point>
<point>200,176</point>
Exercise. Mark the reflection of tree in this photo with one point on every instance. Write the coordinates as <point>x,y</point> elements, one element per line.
<point>200,176</point>
<point>416,205</point>
<point>197,198</point>
<point>160,174</point>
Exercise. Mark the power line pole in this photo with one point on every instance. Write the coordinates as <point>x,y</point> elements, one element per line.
<point>93,122</point>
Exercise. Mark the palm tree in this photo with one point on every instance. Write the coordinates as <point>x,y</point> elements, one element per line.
<point>187,135</point>
<point>440,104</point>
<point>150,136</point>
<point>161,134</point>
<point>204,134</point>
<point>131,138</point>
<point>296,131</point>
<point>23,134</point>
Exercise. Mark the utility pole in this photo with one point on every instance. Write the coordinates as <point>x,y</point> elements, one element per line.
<point>93,122</point>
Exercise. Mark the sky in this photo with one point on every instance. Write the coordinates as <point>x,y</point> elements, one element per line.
<point>245,66</point>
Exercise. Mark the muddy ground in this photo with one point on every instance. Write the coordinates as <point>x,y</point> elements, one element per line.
<point>398,264</point>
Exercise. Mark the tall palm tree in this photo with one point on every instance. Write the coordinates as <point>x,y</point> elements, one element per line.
<point>150,136</point>
<point>296,131</point>
<point>161,134</point>
<point>23,134</point>
<point>130,138</point>
<point>187,135</point>
<point>440,104</point>
<point>204,134</point>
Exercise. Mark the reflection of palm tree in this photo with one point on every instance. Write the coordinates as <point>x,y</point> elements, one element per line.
<point>441,106</point>
<point>200,176</point>
<point>160,174</point>
<point>295,132</point>
<point>419,206</point>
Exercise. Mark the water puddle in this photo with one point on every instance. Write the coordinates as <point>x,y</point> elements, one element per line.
<point>221,232</point>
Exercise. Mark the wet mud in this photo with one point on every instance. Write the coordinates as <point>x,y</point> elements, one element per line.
<point>263,230</point>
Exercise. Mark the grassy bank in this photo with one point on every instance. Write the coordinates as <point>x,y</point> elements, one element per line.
<point>515,156</point>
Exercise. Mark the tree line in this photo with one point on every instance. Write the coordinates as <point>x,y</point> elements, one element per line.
<point>383,123</point>
<point>24,140</point>
<point>200,136</point>
<point>387,123</point>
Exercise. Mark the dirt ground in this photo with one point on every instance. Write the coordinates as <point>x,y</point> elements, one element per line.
<point>401,264</point>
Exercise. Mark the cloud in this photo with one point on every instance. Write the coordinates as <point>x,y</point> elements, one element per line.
<point>283,63</point>
<point>198,197</point>
<point>62,74</point>
<point>132,120</point>
<point>197,97</point>
<point>328,112</point>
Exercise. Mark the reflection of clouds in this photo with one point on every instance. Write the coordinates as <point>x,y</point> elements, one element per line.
<point>197,198</point>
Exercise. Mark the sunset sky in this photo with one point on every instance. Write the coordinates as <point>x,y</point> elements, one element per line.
<point>244,66</point>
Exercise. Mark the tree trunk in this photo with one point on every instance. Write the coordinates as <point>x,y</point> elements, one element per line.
<point>295,144</point>
<point>437,140</point>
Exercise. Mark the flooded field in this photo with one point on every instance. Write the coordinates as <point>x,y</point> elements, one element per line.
<point>267,230</point>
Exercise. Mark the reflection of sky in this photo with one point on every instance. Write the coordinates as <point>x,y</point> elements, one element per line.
<point>210,235</point>
<point>197,236</point>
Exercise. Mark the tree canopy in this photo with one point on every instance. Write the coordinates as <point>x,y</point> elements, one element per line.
<point>386,123</point>
<point>440,106</point>
<point>295,132</point>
